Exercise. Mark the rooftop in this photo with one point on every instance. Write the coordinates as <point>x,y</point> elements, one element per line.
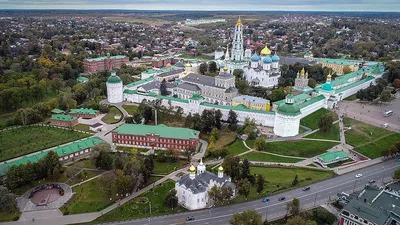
<point>63,117</point>
<point>161,130</point>
<point>139,82</point>
<point>105,57</point>
<point>296,98</point>
<point>84,111</point>
<point>249,98</point>
<point>330,156</point>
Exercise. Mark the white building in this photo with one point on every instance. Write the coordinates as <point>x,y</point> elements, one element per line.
<point>287,118</point>
<point>192,189</point>
<point>236,60</point>
<point>115,88</point>
<point>219,52</point>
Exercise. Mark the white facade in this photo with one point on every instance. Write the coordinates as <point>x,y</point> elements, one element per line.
<point>286,126</point>
<point>115,89</point>
<point>263,71</point>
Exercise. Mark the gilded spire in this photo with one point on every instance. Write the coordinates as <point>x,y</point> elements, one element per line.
<point>239,22</point>
<point>306,75</point>
<point>298,74</point>
<point>302,73</point>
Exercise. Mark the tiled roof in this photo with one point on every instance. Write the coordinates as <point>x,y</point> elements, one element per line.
<point>63,117</point>
<point>161,130</point>
<point>83,111</point>
<point>57,111</point>
<point>105,57</point>
<point>139,82</point>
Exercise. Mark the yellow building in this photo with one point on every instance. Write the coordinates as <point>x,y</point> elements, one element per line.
<point>339,66</point>
<point>251,102</point>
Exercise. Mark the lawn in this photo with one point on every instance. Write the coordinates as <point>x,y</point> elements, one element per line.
<point>311,120</point>
<point>131,149</point>
<point>87,198</point>
<point>226,137</point>
<point>109,117</point>
<point>9,215</point>
<point>84,163</point>
<point>83,127</point>
<point>168,167</point>
<point>84,175</point>
<point>24,140</point>
<point>333,134</point>
<point>299,148</point>
<point>131,109</point>
<point>236,147</point>
<point>136,209</point>
<point>263,157</point>
<point>361,133</point>
<point>374,150</point>
<point>280,179</point>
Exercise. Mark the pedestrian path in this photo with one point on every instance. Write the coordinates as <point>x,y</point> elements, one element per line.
<point>316,139</point>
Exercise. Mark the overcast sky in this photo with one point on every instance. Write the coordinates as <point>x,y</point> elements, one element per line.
<point>295,5</point>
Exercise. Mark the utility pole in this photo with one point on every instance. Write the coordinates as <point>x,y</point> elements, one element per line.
<point>355,183</point>
<point>155,116</point>
<point>383,177</point>
<point>315,199</point>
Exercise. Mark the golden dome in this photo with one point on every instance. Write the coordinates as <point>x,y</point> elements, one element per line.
<point>265,51</point>
<point>192,169</point>
<point>329,76</point>
<point>239,22</point>
<point>225,68</point>
<point>220,168</point>
<point>187,65</point>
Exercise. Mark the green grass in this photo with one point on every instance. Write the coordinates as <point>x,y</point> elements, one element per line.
<point>374,150</point>
<point>84,175</point>
<point>311,120</point>
<point>360,132</point>
<point>351,98</point>
<point>263,157</point>
<point>333,134</point>
<point>167,167</point>
<point>135,209</point>
<point>87,198</point>
<point>131,149</point>
<point>84,163</point>
<point>236,147</point>
<point>83,127</point>
<point>109,117</point>
<point>23,189</point>
<point>299,148</point>
<point>226,137</point>
<point>336,164</point>
<point>131,109</point>
<point>12,214</point>
<point>24,140</point>
<point>279,179</point>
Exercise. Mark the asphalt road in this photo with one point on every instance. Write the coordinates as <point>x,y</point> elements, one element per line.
<point>319,194</point>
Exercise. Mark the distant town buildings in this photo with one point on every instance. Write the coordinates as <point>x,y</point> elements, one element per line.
<point>158,137</point>
<point>104,63</point>
<point>203,21</point>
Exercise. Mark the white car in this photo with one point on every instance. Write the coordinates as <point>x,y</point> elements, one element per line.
<point>359,175</point>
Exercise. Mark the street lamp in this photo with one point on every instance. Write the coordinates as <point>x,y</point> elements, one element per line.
<point>266,214</point>
<point>355,183</point>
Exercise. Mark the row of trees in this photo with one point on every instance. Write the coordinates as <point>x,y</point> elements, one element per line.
<point>209,68</point>
<point>392,151</point>
<point>374,91</point>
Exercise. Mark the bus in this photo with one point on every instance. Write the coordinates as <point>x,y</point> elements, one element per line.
<point>388,113</point>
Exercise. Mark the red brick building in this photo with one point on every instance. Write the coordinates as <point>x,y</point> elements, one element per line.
<point>104,63</point>
<point>162,62</point>
<point>157,137</point>
<point>63,120</point>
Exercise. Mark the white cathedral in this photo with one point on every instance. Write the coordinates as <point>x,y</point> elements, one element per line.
<point>258,70</point>
<point>192,189</point>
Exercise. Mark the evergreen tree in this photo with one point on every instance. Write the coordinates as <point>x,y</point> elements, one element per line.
<point>232,119</point>
<point>171,200</point>
<point>260,183</point>
<point>295,181</point>
<point>325,122</point>
<point>218,117</point>
<point>163,88</point>
<point>212,67</point>
<point>203,68</point>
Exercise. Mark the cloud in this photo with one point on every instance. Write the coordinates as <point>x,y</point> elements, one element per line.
<point>329,5</point>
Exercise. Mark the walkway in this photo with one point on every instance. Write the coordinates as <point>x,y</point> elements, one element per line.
<point>316,139</point>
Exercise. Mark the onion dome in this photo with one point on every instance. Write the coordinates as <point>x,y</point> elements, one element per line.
<point>267,59</point>
<point>225,69</point>
<point>255,58</point>
<point>275,58</point>
<point>192,169</point>
<point>266,51</point>
<point>220,168</point>
<point>239,22</point>
<point>222,64</point>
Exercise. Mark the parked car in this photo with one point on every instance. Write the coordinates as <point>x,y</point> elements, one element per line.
<point>266,199</point>
<point>359,175</point>
<point>282,198</point>
<point>372,181</point>
<point>190,218</point>
<point>306,188</point>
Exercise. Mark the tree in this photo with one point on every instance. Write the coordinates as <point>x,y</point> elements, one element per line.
<point>298,220</point>
<point>188,152</point>
<point>231,166</point>
<point>312,83</point>
<point>212,67</point>
<point>103,158</point>
<point>260,183</point>
<point>346,69</point>
<point>260,144</point>
<point>244,187</point>
<point>123,183</point>
<point>396,175</point>
<point>170,199</point>
<point>203,68</point>
<point>385,96</point>
<point>107,183</point>
<point>238,74</point>
<point>293,207</point>
<point>6,198</point>
<point>245,168</point>
<point>325,122</point>
<point>218,117</point>
<point>242,86</point>
<point>232,119</point>
<point>163,88</point>
<point>249,217</point>
<point>208,120</point>
<point>396,83</point>
<point>295,181</point>
<point>215,134</point>
<point>56,174</point>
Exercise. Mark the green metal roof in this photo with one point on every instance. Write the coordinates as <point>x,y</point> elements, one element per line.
<point>327,87</point>
<point>114,79</point>
<point>139,82</point>
<point>63,117</point>
<point>24,160</point>
<point>161,130</point>
<point>330,156</point>
<point>131,92</point>
<point>289,109</point>
<point>236,108</point>
<point>84,111</point>
<point>105,57</point>
<point>82,79</point>
<point>338,61</point>
<point>312,101</point>
<point>77,146</point>
<point>296,98</point>
<point>57,111</point>
<point>354,84</point>
<point>196,96</point>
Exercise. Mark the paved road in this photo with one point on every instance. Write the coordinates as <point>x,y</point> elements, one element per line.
<point>319,194</point>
